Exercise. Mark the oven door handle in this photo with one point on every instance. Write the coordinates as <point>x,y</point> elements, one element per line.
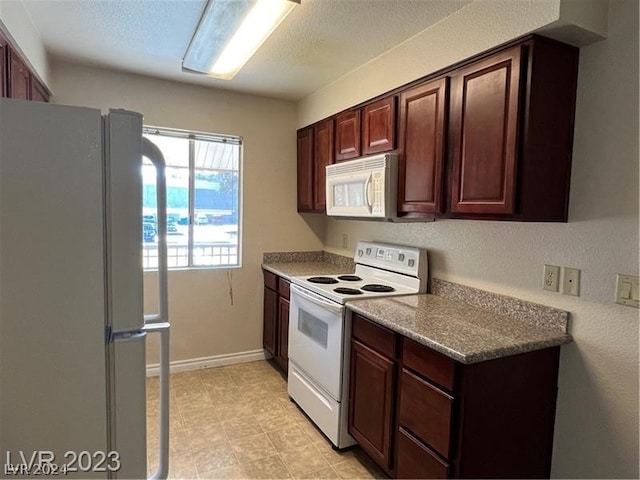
<point>317,299</point>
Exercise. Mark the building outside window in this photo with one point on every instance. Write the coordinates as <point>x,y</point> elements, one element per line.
<point>203,200</point>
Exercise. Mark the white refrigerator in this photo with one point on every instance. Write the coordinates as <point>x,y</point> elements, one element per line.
<point>72,326</point>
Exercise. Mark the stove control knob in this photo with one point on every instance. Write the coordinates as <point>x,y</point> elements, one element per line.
<point>360,252</point>
<point>401,257</point>
<point>411,262</point>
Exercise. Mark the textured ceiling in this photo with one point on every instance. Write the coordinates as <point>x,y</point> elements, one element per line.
<point>320,41</point>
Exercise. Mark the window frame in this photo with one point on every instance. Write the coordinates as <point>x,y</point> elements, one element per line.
<point>192,137</point>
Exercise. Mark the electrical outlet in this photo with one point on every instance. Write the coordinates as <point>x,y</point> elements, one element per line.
<point>345,240</point>
<point>571,281</point>
<point>551,278</point>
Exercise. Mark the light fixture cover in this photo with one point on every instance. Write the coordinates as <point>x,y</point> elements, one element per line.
<point>230,32</point>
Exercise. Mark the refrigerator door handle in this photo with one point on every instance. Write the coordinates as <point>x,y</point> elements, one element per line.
<point>159,323</point>
<point>153,153</point>
<point>163,444</point>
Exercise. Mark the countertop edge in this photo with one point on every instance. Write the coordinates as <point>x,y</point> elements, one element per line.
<point>474,357</point>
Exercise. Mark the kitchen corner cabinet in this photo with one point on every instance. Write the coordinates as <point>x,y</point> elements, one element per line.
<point>421,414</point>
<point>275,337</point>
<point>16,80</point>
<point>315,152</point>
<point>422,149</point>
<point>511,133</point>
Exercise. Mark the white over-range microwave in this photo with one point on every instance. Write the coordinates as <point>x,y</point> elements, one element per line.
<point>363,188</point>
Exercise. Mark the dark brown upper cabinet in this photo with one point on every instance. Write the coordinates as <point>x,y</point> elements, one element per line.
<point>484,128</point>
<point>323,156</point>
<point>379,126</point>
<point>422,148</point>
<point>19,78</point>
<point>3,68</point>
<point>38,92</point>
<point>16,80</point>
<point>489,138</point>
<point>315,152</point>
<point>305,169</point>
<point>511,133</point>
<point>347,135</point>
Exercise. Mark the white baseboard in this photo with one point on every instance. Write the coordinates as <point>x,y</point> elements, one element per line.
<point>153,370</point>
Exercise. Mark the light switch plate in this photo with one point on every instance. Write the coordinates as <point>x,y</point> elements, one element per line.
<point>627,290</point>
<point>571,281</point>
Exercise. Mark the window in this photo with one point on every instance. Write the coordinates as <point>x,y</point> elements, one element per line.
<point>203,200</point>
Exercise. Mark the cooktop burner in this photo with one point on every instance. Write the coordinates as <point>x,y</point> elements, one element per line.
<point>323,280</point>
<point>374,287</point>
<point>347,291</point>
<point>349,278</point>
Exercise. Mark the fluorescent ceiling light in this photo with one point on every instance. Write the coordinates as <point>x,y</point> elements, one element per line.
<point>230,32</point>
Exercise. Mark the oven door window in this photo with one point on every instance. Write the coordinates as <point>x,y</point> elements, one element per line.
<point>313,328</point>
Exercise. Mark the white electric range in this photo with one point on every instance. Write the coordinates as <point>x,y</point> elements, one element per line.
<point>320,329</point>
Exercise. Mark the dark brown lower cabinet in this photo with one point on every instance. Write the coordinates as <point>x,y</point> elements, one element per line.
<point>371,397</point>
<point>421,414</point>
<point>282,350</point>
<point>269,334</point>
<point>415,460</point>
<point>275,335</point>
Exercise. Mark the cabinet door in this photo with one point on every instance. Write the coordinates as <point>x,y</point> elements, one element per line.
<point>38,92</point>
<point>422,138</point>
<point>347,135</point>
<point>379,126</point>
<point>19,86</point>
<point>484,123</point>
<point>323,156</point>
<point>282,356</point>
<point>269,335</point>
<point>305,169</point>
<point>371,393</point>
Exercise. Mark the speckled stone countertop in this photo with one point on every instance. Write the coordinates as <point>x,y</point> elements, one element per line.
<point>293,264</point>
<point>463,331</point>
<point>464,323</point>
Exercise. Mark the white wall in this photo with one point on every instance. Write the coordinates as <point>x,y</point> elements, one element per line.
<point>204,323</point>
<point>597,414</point>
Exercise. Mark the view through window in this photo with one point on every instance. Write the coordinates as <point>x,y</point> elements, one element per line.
<point>203,199</point>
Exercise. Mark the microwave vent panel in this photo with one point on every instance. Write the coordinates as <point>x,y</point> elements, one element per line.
<point>356,166</point>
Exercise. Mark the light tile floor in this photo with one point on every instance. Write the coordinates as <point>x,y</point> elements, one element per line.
<point>238,422</point>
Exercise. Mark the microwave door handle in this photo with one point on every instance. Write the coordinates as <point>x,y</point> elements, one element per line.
<point>368,192</point>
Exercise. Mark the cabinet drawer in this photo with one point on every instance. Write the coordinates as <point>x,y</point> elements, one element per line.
<point>426,412</point>
<point>270,280</point>
<point>429,363</point>
<point>283,287</point>
<point>417,461</point>
<point>373,335</point>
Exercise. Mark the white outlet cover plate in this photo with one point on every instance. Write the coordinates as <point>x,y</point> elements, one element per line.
<point>571,281</point>
<point>551,278</point>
